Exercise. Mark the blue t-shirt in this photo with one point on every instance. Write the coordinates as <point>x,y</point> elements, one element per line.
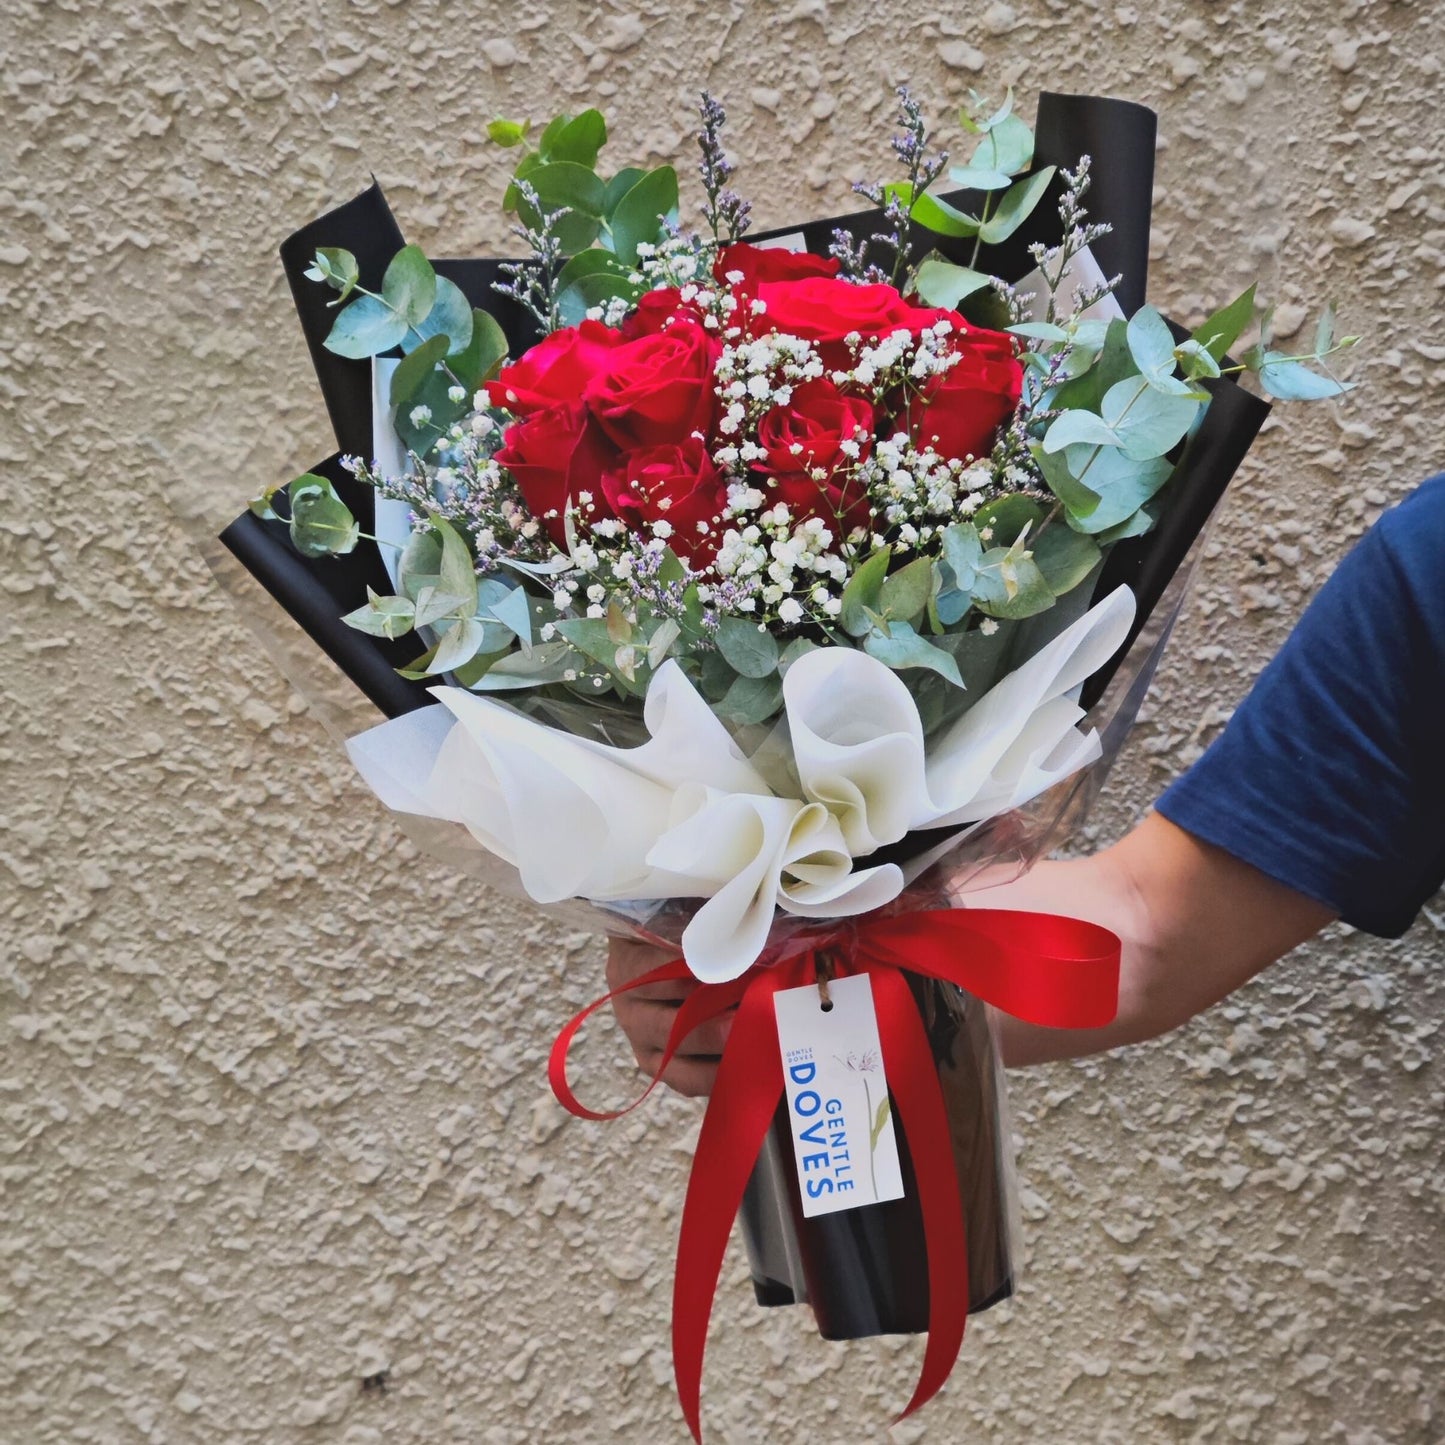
<point>1330,777</point>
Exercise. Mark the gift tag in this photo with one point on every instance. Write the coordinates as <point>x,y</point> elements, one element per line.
<point>842,1122</point>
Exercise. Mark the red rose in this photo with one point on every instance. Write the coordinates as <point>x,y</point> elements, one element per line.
<point>768,263</point>
<point>805,438</point>
<point>657,390</point>
<point>824,310</point>
<point>960,412</point>
<point>655,309</point>
<point>555,370</point>
<point>677,484</point>
<point>556,455</point>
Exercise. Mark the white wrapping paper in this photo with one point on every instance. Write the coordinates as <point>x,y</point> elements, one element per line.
<point>687,815</point>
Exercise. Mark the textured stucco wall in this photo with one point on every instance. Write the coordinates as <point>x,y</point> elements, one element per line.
<point>272,1113</point>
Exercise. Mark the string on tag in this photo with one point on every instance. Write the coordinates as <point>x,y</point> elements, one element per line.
<point>825,974</point>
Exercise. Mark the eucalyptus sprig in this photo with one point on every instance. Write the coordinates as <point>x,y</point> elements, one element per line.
<point>413,305</point>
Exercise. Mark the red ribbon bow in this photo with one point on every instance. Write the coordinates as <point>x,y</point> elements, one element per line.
<point>1058,972</point>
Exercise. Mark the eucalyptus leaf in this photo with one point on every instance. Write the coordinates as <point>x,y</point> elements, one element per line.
<point>716,676</point>
<point>861,593</point>
<point>1148,422</point>
<point>470,674</point>
<point>904,648</point>
<point>366,327</point>
<point>1064,557</point>
<point>1039,331</point>
<point>1008,146</point>
<point>1197,359</point>
<point>975,177</point>
<point>389,617</point>
<point>514,612</point>
<point>962,550</point>
<point>450,316</point>
<point>577,140</point>
<point>952,605</point>
<point>905,593</point>
<point>549,662</point>
<point>1073,428</point>
<point>1086,392</point>
<point>1151,343</point>
<point>1016,206</point>
<point>750,650</point>
<point>639,215</point>
<point>941,283</point>
<point>751,700</point>
<point>338,268</point>
<point>1007,519</point>
<point>412,371</point>
<point>660,643</point>
<point>797,648</point>
<point>457,571</point>
<point>1288,380</point>
<point>458,644</point>
<point>1080,501</point>
<point>432,604</point>
<point>1122,485</point>
<point>410,285</point>
<point>619,186</point>
<point>507,133</point>
<point>577,189</point>
<point>1011,585</point>
<point>1227,325</point>
<point>936,215</point>
<point>321,523</point>
<point>421,562</point>
<point>590,636</point>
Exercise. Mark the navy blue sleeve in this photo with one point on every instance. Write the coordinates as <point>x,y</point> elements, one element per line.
<point>1330,777</point>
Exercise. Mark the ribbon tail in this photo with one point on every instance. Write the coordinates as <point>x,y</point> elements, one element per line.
<point>699,1006</point>
<point>739,1114</point>
<point>908,1064</point>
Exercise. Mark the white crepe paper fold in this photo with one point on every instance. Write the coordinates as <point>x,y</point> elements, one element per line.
<point>687,815</point>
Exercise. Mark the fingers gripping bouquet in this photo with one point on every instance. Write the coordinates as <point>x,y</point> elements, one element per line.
<point>761,592</point>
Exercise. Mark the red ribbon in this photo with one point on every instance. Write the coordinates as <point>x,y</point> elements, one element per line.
<point>1058,972</point>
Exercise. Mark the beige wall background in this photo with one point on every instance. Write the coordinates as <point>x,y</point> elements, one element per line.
<point>272,1107</point>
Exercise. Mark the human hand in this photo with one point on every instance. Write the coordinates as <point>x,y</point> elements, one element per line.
<point>646,1016</point>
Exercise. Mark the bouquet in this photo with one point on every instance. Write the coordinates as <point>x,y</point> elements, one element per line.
<point>759,597</point>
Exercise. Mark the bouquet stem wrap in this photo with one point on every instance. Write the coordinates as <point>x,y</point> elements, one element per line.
<point>1046,970</point>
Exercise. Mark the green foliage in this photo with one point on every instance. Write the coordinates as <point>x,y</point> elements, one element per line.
<point>410,285</point>
<point>640,215</point>
<point>566,185</point>
<point>321,523</point>
<point>901,647</point>
<point>1227,325</point>
<point>450,317</point>
<point>430,385</point>
<point>942,283</point>
<point>337,268</point>
<point>1018,203</point>
<point>367,327</point>
<point>507,133</point>
<point>750,649</point>
<point>591,278</point>
<point>390,617</point>
<point>861,595</point>
<point>905,594</point>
